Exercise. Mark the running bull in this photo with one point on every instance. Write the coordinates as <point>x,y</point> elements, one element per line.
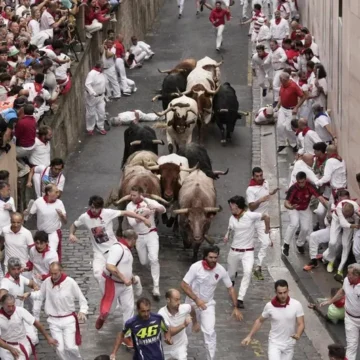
<point>212,66</point>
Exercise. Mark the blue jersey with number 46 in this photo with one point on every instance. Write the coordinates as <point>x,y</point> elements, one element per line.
<point>146,335</point>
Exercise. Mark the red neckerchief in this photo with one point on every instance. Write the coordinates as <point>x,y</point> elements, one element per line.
<point>44,142</point>
<point>308,74</point>
<point>305,131</point>
<point>2,311</point>
<point>239,216</point>
<point>138,204</point>
<point>275,302</point>
<point>302,82</point>
<point>277,21</point>
<point>354,283</point>
<point>320,161</point>
<point>62,278</point>
<point>92,216</point>
<point>206,265</point>
<point>50,47</point>
<point>340,303</point>
<point>46,199</point>
<point>17,282</point>
<point>257,13</point>
<point>335,156</point>
<point>264,56</point>
<point>97,69</point>
<point>123,242</point>
<point>254,183</point>
<point>298,131</point>
<point>38,87</point>
<point>43,253</point>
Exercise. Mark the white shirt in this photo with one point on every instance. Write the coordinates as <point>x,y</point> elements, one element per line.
<point>335,173</point>
<point>140,227</point>
<point>278,58</point>
<point>15,288</point>
<point>320,122</point>
<point>41,262</point>
<point>280,31</point>
<point>95,83</point>
<point>40,155</point>
<point>344,223</point>
<point>13,329</point>
<point>243,229</point>
<point>34,27</point>
<point>352,298</point>
<point>61,72</point>
<point>300,142</point>
<point>254,193</point>
<point>46,21</point>
<point>203,282</point>
<point>260,117</point>
<point>300,165</point>
<point>283,321</point>
<point>33,93</point>
<point>285,10</point>
<point>108,62</point>
<point>320,98</point>
<point>5,218</point>
<point>264,63</point>
<point>310,138</point>
<point>120,256</point>
<point>46,179</point>
<point>101,229</point>
<point>264,36</point>
<point>315,49</point>
<point>48,219</point>
<point>20,9</point>
<point>17,244</point>
<point>60,299</point>
<point>180,339</point>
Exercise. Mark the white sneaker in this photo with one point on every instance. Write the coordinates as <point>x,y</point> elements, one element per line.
<point>135,90</point>
<point>137,286</point>
<point>88,35</point>
<point>128,93</point>
<point>156,293</point>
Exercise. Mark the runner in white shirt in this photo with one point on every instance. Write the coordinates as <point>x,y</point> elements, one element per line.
<point>60,292</point>
<point>51,214</point>
<point>279,28</point>
<point>287,323</point>
<point>7,204</point>
<point>322,122</point>
<point>303,163</point>
<point>261,65</point>
<point>99,223</point>
<point>199,285</point>
<point>257,197</point>
<point>265,116</point>
<point>41,152</point>
<point>18,240</point>
<point>177,317</point>
<point>241,231</point>
<point>147,245</point>
<point>14,284</point>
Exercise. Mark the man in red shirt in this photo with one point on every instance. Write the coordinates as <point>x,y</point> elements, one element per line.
<point>217,18</point>
<point>297,202</point>
<point>291,97</point>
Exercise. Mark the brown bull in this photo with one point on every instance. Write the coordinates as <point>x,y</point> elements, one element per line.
<point>185,67</point>
<point>197,200</point>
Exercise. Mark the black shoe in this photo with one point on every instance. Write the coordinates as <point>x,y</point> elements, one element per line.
<point>179,17</point>
<point>201,7</point>
<point>280,148</point>
<point>316,227</point>
<point>301,249</point>
<point>233,282</point>
<point>218,49</point>
<point>264,92</point>
<point>275,104</point>
<point>197,13</point>
<point>285,249</point>
<point>240,304</point>
<point>295,149</point>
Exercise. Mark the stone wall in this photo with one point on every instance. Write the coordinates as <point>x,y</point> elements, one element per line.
<point>135,17</point>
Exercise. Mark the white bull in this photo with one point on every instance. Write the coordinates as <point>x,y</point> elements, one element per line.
<point>212,66</point>
<point>178,160</point>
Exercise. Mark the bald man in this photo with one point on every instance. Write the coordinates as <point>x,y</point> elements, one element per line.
<point>310,137</point>
<point>310,44</point>
<point>177,317</point>
<point>304,163</point>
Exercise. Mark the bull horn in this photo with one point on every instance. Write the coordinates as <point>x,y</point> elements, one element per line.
<point>124,198</point>
<point>191,169</point>
<point>181,211</point>
<point>156,98</point>
<point>187,92</point>
<point>223,110</point>
<point>164,71</point>
<point>162,113</point>
<point>243,113</point>
<point>210,240</point>
<point>213,209</point>
<point>207,111</point>
<point>218,172</point>
<point>212,92</point>
<point>175,94</point>
<point>189,122</point>
<point>192,111</point>
<point>158,198</point>
<point>136,142</point>
<point>219,63</point>
<point>151,168</point>
<point>158,142</point>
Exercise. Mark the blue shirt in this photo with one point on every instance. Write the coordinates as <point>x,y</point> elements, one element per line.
<point>146,336</point>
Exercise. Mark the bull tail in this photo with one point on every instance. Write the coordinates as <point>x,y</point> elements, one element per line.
<point>160,125</point>
<point>112,197</point>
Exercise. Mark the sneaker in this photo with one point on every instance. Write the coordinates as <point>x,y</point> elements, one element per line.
<point>330,267</point>
<point>135,90</point>
<point>280,148</point>
<point>90,132</point>
<point>311,265</point>
<point>285,249</point>
<point>264,92</point>
<point>179,17</point>
<point>137,286</point>
<point>156,293</point>
<point>102,131</point>
<point>128,342</point>
<point>113,19</point>
<point>127,93</point>
<point>258,273</point>
<point>339,277</point>
<point>218,49</point>
<point>99,323</point>
<point>295,149</point>
<point>240,304</point>
<point>24,171</point>
<point>301,249</point>
<point>197,13</point>
<point>88,35</point>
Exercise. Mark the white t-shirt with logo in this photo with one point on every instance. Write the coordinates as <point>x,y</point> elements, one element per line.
<point>254,193</point>
<point>8,283</point>
<point>203,282</point>
<point>176,320</point>
<point>120,256</point>
<point>101,229</point>
<point>283,321</point>
<point>5,218</point>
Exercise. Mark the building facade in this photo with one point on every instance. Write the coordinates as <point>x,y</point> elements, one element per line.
<point>335,25</point>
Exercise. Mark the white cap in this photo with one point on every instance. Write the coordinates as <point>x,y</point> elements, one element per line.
<point>269,110</point>
<point>260,20</point>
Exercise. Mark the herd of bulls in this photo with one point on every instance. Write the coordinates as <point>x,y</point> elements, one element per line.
<point>184,182</point>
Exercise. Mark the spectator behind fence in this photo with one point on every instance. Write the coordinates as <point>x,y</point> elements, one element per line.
<point>93,18</point>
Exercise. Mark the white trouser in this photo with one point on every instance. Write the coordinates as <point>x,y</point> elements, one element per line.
<point>356,246</point>
<point>280,352</point>
<point>126,85</point>
<point>6,355</point>
<point>276,83</point>
<point>283,127</point>
<point>247,260</point>
<point>32,333</point>
<point>261,74</point>
<point>352,329</point>
<point>63,330</point>
<point>321,214</point>
<point>264,240</point>
<point>99,263</point>
<point>122,295</point>
<point>140,57</point>
<point>24,152</point>
<point>94,26</point>
<point>40,37</point>
<point>302,218</point>
<point>37,186</point>
<point>245,4</point>
<point>180,5</point>
<point>54,240</point>
<point>206,319</point>
<point>219,35</point>
<point>112,83</point>
<point>147,247</point>
<point>316,238</point>
<point>179,353</point>
<point>95,112</point>
<point>145,47</point>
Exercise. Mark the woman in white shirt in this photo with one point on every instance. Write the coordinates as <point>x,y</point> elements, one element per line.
<point>320,89</point>
<point>34,23</point>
